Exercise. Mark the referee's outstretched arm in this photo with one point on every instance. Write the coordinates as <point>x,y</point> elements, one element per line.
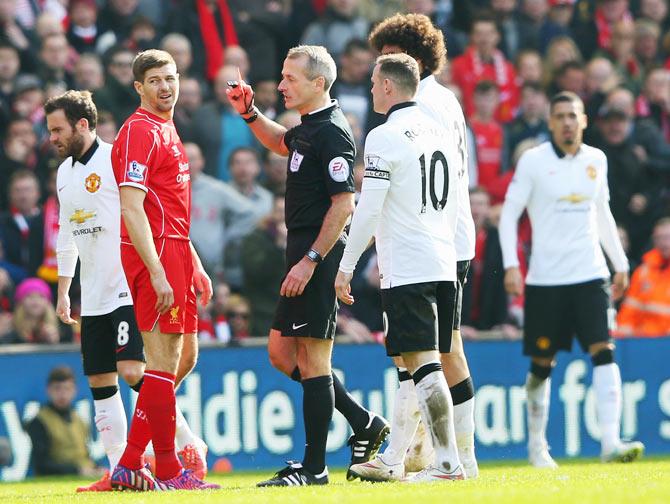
<point>268,132</point>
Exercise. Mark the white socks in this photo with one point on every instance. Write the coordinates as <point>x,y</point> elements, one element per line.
<point>404,422</point>
<point>607,387</point>
<point>464,426</point>
<point>110,420</point>
<point>537,408</point>
<point>437,412</point>
<point>184,435</point>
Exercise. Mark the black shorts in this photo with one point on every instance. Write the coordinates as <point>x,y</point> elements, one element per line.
<point>313,314</point>
<point>419,317</point>
<point>554,314</point>
<point>106,339</point>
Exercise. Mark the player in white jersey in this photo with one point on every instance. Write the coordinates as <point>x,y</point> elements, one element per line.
<point>409,203</point>
<point>563,185</point>
<point>415,35</point>
<point>89,230</point>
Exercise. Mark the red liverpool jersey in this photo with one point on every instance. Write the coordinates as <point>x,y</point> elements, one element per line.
<point>148,154</point>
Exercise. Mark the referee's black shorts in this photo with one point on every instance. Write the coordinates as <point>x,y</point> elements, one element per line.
<point>313,314</point>
<point>106,339</point>
<point>419,317</point>
<point>555,314</point>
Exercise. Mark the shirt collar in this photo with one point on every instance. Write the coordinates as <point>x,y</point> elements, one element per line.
<point>426,80</point>
<point>320,112</point>
<point>560,154</point>
<point>399,106</point>
<point>86,157</point>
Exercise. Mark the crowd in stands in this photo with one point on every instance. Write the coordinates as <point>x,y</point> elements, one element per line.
<point>506,59</point>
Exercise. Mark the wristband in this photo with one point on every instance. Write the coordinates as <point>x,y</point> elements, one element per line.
<point>251,118</point>
<point>314,256</point>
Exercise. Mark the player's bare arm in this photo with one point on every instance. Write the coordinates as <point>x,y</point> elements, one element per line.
<point>269,133</point>
<point>137,224</point>
<point>63,303</point>
<point>513,281</point>
<point>341,208</point>
<point>201,280</point>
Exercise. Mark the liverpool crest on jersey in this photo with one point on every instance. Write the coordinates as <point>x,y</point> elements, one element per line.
<point>92,183</point>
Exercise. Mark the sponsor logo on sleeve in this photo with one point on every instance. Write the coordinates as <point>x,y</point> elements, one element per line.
<point>338,169</point>
<point>136,171</point>
<point>372,168</point>
<point>296,159</point>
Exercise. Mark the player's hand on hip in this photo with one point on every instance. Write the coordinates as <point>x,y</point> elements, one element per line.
<point>295,282</point>
<point>63,310</point>
<point>619,285</point>
<point>164,292</point>
<point>203,285</point>
<point>513,281</point>
<point>343,287</point>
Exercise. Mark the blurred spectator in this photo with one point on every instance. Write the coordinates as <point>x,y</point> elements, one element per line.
<point>54,59</point>
<point>17,152</point>
<point>647,44</point>
<point>557,22</point>
<point>488,134</point>
<point>237,57</point>
<point>220,328</point>
<point>106,128</point>
<point>622,54</point>
<point>600,79</point>
<point>263,267</point>
<point>29,100</point>
<point>218,212</point>
<point>12,33</point>
<point>274,171</point>
<point>238,312</point>
<point>571,76</point>
<point>645,310</point>
<point>528,66</point>
<point>244,169</point>
<point>657,11</point>
<point>115,21</point>
<point>450,16</point>
<point>89,73</point>
<point>179,47</point>
<point>259,25</point>
<point>6,302</point>
<point>289,118</point>
<point>336,26</point>
<point>530,123</point>
<point>631,187</point>
<point>484,296</point>
<point>9,69</point>
<point>484,61</point>
<point>352,87</point>
<point>22,227</point>
<point>83,33</point>
<point>59,436</point>
<point>560,51</point>
<point>143,35</point>
<point>190,100</point>
<point>34,318</point>
<point>118,95</point>
<point>218,129</point>
<point>654,102</point>
<point>210,27</point>
<point>516,31</point>
<point>597,32</point>
<point>266,97</point>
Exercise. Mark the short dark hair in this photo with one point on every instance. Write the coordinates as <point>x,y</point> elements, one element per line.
<point>60,374</point>
<point>243,148</point>
<point>23,173</point>
<point>484,16</point>
<point>151,58</point>
<point>416,35</point>
<point>401,69</point>
<point>533,86</point>
<point>355,44</point>
<point>565,97</point>
<point>485,86</point>
<point>76,105</point>
<point>567,66</point>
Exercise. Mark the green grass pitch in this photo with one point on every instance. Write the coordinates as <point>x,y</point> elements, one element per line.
<point>583,481</point>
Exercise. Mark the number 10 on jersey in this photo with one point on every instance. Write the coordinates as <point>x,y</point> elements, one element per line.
<point>437,157</point>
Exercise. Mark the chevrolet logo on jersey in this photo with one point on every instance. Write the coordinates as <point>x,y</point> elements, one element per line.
<point>574,198</point>
<point>80,216</point>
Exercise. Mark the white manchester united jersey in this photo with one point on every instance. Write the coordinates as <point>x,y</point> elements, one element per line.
<point>90,219</point>
<point>410,194</point>
<point>442,105</point>
<point>567,198</point>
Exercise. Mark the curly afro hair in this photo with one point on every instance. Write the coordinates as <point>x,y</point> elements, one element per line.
<point>416,35</point>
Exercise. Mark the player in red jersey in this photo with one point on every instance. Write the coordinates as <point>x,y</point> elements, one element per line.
<point>161,266</point>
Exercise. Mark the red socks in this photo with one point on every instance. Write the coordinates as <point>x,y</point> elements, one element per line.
<point>154,419</point>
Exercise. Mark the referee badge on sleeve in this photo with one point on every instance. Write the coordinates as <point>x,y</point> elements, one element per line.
<point>296,159</point>
<point>338,169</point>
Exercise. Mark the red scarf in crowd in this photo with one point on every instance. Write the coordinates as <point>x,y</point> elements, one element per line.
<point>48,271</point>
<point>605,29</point>
<point>210,35</point>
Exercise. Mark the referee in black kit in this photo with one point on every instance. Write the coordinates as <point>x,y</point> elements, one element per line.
<point>319,202</point>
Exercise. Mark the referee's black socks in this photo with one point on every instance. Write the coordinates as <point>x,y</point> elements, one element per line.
<point>318,403</point>
<point>357,416</point>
